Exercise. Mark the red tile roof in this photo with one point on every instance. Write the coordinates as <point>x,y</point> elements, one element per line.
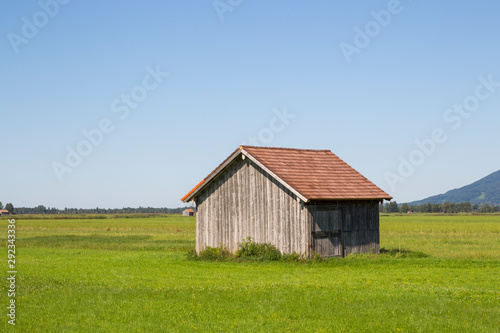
<point>315,174</point>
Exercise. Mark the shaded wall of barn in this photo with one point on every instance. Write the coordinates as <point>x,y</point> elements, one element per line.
<point>352,227</point>
<point>245,201</point>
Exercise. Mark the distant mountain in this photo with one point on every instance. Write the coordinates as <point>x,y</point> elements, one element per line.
<point>485,190</point>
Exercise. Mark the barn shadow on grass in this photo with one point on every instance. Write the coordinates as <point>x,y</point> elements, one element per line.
<point>107,242</point>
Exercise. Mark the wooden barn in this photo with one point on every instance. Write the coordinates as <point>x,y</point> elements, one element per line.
<point>304,201</point>
<point>187,212</point>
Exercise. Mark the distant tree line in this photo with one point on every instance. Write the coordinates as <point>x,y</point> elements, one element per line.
<point>447,207</point>
<point>126,210</point>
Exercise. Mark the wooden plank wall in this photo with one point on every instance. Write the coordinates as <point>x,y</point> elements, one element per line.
<point>360,224</point>
<point>244,201</point>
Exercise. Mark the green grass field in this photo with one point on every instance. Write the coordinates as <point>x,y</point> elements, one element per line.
<point>132,275</point>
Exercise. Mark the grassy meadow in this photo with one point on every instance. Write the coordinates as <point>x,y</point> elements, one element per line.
<point>126,274</point>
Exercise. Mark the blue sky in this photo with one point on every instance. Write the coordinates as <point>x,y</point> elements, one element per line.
<point>365,79</point>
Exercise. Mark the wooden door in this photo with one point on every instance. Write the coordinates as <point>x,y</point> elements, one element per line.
<point>326,233</point>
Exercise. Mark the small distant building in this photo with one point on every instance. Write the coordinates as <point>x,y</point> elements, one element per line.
<point>4,212</point>
<point>188,212</point>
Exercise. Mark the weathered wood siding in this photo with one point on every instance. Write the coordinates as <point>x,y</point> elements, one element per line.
<point>354,226</point>
<point>326,230</point>
<point>245,201</point>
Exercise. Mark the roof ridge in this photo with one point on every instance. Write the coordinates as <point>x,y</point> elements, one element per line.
<point>283,148</point>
